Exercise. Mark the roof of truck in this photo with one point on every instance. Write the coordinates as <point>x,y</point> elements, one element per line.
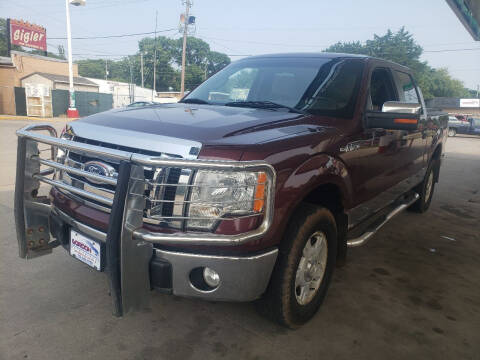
<point>324,55</point>
<point>309,55</point>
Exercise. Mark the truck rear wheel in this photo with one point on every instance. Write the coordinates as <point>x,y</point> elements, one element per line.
<point>304,267</point>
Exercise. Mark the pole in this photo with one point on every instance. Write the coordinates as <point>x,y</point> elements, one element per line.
<point>184,49</point>
<point>154,88</point>
<point>72,111</point>
<point>141,66</point>
<point>131,88</point>
<point>106,69</point>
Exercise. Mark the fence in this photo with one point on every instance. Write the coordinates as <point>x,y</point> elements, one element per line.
<point>13,100</point>
<point>87,103</point>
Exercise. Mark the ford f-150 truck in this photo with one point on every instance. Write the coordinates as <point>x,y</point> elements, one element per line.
<point>253,186</point>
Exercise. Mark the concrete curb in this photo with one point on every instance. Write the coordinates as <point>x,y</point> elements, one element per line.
<point>32,118</point>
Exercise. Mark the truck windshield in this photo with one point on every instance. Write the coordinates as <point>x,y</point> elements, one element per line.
<point>320,86</point>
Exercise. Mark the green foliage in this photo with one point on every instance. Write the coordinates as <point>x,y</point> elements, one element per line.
<point>92,68</point>
<point>3,39</point>
<point>201,63</point>
<point>401,48</point>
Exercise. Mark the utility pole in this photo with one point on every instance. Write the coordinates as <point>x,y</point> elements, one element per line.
<point>106,69</point>
<point>188,4</point>
<point>154,88</point>
<point>141,65</point>
<point>131,86</point>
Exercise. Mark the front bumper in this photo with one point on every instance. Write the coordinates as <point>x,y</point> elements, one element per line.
<point>242,278</point>
<point>130,256</point>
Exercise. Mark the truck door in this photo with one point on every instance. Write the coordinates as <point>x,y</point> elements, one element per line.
<point>385,162</point>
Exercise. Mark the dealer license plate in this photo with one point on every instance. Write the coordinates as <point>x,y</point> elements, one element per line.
<point>85,249</point>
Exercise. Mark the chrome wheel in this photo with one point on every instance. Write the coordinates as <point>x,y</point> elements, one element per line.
<point>311,268</point>
<point>429,186</point>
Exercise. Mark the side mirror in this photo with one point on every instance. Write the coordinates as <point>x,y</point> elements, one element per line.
<point>392,120</point>
<point>400,107</point>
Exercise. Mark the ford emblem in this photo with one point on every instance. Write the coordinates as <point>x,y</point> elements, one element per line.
<point>99,168</point>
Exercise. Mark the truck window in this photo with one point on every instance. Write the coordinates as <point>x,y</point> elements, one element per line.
<point>320,86</point>
<point>406,88</point>
<point>381,89</point>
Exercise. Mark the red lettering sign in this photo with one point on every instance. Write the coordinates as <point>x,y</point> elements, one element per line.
<point>29,35</point>
<point>82,246</point>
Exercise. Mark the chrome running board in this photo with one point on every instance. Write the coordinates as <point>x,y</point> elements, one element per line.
<point>362,239</point>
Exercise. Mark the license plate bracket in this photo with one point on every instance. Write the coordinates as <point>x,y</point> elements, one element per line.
<point>87,250</point>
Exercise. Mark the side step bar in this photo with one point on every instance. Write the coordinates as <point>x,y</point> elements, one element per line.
<point>362,239</point>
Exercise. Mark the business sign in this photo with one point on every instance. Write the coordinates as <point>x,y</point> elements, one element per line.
<point>28,35</point>
<point>469,103</point>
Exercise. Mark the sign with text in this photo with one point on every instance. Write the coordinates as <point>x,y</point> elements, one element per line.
<point>469,102</point>
<point>29,35</point>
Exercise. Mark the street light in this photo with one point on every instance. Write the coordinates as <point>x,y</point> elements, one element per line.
<point>72,111</point>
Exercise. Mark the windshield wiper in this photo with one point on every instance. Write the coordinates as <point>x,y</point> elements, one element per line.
<point>195,101</point>
<point>263,105</point>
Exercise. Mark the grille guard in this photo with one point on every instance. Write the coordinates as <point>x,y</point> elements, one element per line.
<point>129,248</point>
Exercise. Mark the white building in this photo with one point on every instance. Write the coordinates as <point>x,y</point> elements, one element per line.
<point>125,93</point>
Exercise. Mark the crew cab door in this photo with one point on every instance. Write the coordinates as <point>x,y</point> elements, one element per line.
<point>389,153</point>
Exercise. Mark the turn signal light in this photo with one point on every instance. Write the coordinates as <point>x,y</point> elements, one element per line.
<point>405,121</point>
<point>259,201</point>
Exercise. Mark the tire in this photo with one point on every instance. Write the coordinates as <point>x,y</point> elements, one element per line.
<point>425,189</point>
<point>452,132</point>
<point>294,276</point>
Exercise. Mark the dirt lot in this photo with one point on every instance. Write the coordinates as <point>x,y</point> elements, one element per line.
<point>411,293</point>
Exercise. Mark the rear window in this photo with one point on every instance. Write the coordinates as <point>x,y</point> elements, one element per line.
<point>406,88</point>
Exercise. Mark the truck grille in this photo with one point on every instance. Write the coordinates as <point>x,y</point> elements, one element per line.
<point>198,193</point>
<point>170,176</point>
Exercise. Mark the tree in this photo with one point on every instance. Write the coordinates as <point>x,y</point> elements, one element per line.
<point>201,63</point>
<point>3,39</point>
<point>92,68</point>
<point>401,48</point>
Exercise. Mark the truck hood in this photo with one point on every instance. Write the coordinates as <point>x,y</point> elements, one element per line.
<point>179,128</point>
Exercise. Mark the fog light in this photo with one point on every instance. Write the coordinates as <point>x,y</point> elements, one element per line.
<point>211,277</point>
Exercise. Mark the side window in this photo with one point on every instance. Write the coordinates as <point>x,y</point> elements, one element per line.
<point>381,89</point>
<point>406,88</point>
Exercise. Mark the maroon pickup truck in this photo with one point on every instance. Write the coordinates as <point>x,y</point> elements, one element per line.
<point>253,186</point>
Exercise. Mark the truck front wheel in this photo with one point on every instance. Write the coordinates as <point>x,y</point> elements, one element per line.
<point>452,132</point>
<point>304,267</point>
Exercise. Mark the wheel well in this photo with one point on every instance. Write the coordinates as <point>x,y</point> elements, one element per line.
<point>330,196</point>
<point>327,195</point>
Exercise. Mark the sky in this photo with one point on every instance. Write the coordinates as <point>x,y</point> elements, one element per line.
<point>252,27</point>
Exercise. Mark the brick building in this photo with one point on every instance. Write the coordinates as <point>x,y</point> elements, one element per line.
<point>20,65</point>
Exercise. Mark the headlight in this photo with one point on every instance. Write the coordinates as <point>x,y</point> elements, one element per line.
<point>220,194</point>
<point>67,134</point>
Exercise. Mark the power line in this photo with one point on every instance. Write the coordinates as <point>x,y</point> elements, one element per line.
<point>449,50</point>
<point>111,36</point>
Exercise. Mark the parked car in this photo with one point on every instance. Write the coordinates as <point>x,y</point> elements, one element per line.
<point>474,128</point>
<point>470,126</point>
<point>235,198</point>
<point>140,104</point>
<point>458,125</point>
